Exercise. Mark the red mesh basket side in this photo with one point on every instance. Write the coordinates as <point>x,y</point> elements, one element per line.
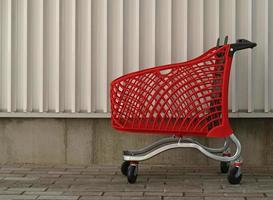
<point>183,98</point>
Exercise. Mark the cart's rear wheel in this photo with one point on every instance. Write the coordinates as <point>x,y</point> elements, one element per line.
<point>234,175</point>
<point>124,167</point>
<point>132,173</point>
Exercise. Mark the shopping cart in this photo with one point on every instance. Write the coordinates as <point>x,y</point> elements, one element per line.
<point>181,99</point>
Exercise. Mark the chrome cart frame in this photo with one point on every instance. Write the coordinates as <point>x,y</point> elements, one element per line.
<point>183,142</point>
<point>229,163</point>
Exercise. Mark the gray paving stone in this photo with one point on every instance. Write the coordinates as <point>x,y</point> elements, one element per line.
<point>47,197</point>
<point>5,175</point>
<point>18,197</point>
<point>183,188</point>
<point>99,198</point>
<point>128,194</point>
<point>119,198</point>
<point>46,193</point>
<point>30,189</point>
<point>64,172</point>
<point>20,179</point>
<point>224,198</point>
<point>16,168</point>
<point>7,192</point>
<point>183,198</point>
<point>106,182</point>
<point>83,193</point>
<point>165,194</point>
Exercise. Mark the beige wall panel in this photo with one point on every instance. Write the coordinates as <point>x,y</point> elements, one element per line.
<point>83,55</point>
<point>5,55</point>
<point>58,57</point>
<point>52,55</point>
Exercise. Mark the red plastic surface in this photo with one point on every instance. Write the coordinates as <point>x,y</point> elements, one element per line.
<point>189,98</point>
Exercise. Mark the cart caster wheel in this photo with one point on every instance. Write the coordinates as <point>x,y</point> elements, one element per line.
<point>124,167</point>
<point>224,166</point>
<point>234,175</point>
<point>132,173</point>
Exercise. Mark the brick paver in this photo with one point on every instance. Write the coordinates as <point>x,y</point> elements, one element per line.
<point>154,183</point>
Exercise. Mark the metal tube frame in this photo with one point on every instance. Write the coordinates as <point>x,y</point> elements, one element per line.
<point>174,142</point>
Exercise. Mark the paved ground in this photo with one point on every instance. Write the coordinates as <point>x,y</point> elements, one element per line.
<point>106,182</point>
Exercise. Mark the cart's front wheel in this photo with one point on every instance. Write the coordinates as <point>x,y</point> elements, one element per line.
<point>132,173</point>
<point>124,167</point>
<point>235,175</point>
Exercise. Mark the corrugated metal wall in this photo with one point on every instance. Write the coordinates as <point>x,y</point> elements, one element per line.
<point>58,56</point>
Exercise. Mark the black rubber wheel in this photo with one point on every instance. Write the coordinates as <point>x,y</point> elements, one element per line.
<point>234,175</point>
<point>124,167</point>
<point>132,173</point>
<point>224,166</point>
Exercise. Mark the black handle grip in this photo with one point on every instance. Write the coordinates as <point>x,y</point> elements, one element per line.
<point>241,44</point>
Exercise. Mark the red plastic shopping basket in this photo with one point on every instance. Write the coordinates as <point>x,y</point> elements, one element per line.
<point>189,98</point>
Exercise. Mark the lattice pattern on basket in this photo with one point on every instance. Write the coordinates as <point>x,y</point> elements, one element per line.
<point>179,98</point>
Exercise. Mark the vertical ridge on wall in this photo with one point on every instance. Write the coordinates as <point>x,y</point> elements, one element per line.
<point>51,55</point>
<point>131,36</point>
<point>234,107</point>
<point>270,53</point>
<point>115,39</point>
<point>19,52</point>
<point>163,32</point>
<point>179,30</point>
<point>195,28</point>
<point>242,19</point>
<point>202,29</point>
<point>114,42</point>
<point>259,56</point>
<point>266,59</point>
<point>249,58</point>
<point>83,55</point>
<point>99,55</point>
<point>35,55</point>
<point>228,27</point>
<point>147,33</point>
<point>242,56</point>
<point>67,55</point>
<point>212,26</point>
<point>5,55</point>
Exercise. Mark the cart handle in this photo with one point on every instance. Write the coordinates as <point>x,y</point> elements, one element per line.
<point>241,44</point>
